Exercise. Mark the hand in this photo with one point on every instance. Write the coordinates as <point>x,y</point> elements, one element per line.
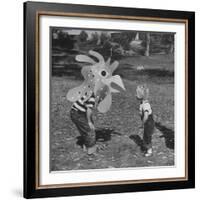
<point>91,125</point>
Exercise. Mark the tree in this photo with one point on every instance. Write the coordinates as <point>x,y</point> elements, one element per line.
<point>62,39</point>
<point>147,50</point>
<point>168,40</point>
<point>124,38</point>
<point>83,36</point>
<point>107,49</point>
<point>104,37</point>
<point>94,38</point>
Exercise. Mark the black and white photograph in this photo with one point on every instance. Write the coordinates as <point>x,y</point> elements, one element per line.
<point>108,100</point>
<point>111,99</point>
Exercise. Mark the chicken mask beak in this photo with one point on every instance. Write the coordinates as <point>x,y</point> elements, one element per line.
<point>116,80</point>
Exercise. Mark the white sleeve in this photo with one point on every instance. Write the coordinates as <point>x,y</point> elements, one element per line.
<point>147,107</point>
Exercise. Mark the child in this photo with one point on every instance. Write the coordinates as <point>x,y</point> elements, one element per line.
<point>97,80</point>
<point>142,93</point>
<point>81,115</point>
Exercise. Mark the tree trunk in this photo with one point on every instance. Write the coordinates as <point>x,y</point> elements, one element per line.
<point>147,44</point>
<point>137,36</point>
<point>171,49</point>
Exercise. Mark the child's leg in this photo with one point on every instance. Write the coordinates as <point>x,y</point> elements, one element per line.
<point>80,120</point>
<point>89,139</point>
<point>148,132</point>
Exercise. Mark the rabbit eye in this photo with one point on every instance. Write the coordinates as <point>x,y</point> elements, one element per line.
<point>103,73</point>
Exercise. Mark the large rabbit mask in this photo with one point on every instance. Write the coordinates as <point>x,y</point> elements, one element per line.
<point>97,78</point>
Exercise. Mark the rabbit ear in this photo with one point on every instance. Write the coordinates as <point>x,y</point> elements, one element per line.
<point>84,58</point>
<point>108,62</point>
<point>114,66</point>
<point>97,55</point>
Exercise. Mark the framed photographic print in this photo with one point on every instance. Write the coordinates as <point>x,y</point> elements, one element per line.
<point>108,99</point>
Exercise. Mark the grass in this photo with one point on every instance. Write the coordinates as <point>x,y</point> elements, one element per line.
<point>116,128</point>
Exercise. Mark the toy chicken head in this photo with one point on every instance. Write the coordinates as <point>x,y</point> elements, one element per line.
<point>97,79</point>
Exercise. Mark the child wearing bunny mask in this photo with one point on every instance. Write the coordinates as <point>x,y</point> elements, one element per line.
<point>94,93</point>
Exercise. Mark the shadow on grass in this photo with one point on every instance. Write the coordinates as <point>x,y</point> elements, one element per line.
<point>102,135</point>
<point>138,140</point>
<point>168,135</point>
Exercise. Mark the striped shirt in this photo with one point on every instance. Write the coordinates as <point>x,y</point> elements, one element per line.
<point>82,105</point>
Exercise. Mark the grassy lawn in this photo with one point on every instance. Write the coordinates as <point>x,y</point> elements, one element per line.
<point>117,128</point>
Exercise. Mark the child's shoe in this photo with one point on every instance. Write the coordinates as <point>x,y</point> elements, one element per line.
<point>149,152</point>
<point>91,150</point>
<point>84,148</point>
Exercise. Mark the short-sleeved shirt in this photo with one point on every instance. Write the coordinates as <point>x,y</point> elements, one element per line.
<point>82,104</point>
<point>145,107</point>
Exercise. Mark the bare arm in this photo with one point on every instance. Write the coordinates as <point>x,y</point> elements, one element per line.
<point>146,115</point>
<point>97,100</point>
<point>89,116</point>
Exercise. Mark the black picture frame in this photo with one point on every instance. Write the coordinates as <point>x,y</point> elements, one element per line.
<point>32,12</point>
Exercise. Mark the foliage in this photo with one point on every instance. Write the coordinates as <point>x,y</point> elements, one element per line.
<point>62,39</point>
<point>94,38</point>
<point>124,39</point>
<point>115,44</point>
<point>167,38</point>
<point>104,38</point>
<point>83,36</point>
